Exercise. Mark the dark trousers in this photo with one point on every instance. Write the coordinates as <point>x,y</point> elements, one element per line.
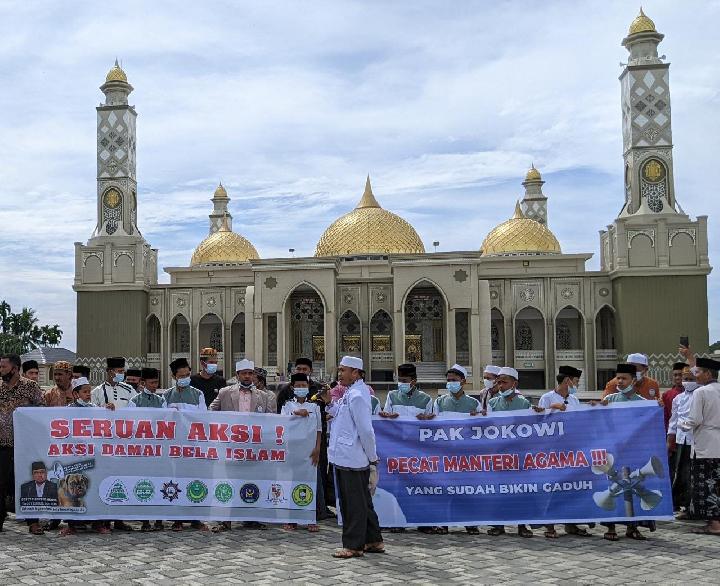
<point>7,478</point>
<point>360,522</point>
<point>681,492</point>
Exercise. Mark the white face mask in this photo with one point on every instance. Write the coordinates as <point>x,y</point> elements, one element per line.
<point>489,384</point>
<point>690,385</point>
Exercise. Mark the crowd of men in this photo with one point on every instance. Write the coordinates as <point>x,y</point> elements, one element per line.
<point>346,457</point>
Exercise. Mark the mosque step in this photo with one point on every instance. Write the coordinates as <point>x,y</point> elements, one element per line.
<point>431,371</point>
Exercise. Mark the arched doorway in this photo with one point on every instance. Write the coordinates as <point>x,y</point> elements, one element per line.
<point>425,324</point>
<point>237,337</point>
<point>153,342</point>
<point>307,327</point>
<point>605,350</point>
<point>350,334</point>
<point>497,336</point>
<point>569,340</point>
<point>210,333</point>
<point>179,338</point>
<point>530,348</point>
<point>381,349</point>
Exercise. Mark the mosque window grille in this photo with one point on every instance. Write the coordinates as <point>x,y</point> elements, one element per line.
<point>523,336</point>
<point>654,194</point>
<point>494,337</point>
<point>563,336</point>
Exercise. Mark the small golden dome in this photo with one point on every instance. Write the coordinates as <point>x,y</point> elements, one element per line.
<point>369,229</point>
<point>533,174</point>
<point>116,74</point>
<point>641,24</point>
<point>220,191</point>
<point>223,247</point>
<point>520,235</point>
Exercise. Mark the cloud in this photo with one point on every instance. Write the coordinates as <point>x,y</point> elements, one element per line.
<point>292,104</point>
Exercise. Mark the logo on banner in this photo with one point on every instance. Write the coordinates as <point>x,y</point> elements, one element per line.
<point>196,491</point>
<point>117,493</point>
<point>224,492</point>
<point>170,491</point>
<point>302,495</point>
<point>249,493</point>
<point>144,490</point>
<point>275,494</point>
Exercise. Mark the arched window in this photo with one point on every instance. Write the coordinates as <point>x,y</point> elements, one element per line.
<point>523,336</point>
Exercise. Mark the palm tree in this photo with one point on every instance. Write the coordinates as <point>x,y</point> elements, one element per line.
<point>20,332</point>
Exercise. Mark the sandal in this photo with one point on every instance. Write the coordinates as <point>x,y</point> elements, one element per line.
<point>66,531</point>
<point>289,527</point>
<point>223,526</point>
<point>177,526</point>
<point>399,530</point>
<point>551,534</point>
<point>635,534</point>
<point>577,531</point>
<point>425,530</point>
<point>375,548</point>
<point>472,530</point>
<point>611,536</point>
<point>146,528</point>
<point>36,529</point>
<point>495,531</point>
<point>704,531</point>
<point>524,531</point>
<point>159,526</point>
<point>199,526</point>
<point>441,531</point>
<point>346,554</point>
<point>313,528</point>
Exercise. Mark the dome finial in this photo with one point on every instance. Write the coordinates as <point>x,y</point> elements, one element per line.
<point>518,215</point>
<point>368,198</point>
<point>533,174</point>
<point>641,24</point>
<point>116,73</point>
<point>220,191</point>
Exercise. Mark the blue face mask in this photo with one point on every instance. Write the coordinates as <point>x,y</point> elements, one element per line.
<point>211,368</point>
<point>454,386</point>
<point>183,382</point>
<point>627,390</point>
<point>119,377</point>
<point>404,388</point>
<point>302,393</point>
<point>507,393</point>
<point>572,390</point>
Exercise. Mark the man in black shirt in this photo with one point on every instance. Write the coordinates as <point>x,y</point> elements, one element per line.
<point>285,391</point>
<point>207,380</point>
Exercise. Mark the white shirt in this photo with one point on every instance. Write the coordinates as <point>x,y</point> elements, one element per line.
<point>704,419</point>
<point>678,424</point>
<point>313,410</point>
<point>552,397</point>
<point>40,489</point>
<point>352,438</point>
<point>119,394</point>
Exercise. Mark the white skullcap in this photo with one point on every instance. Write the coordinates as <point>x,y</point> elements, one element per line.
<point>352,362</point>
<point>509,371</point>
<point>459,369</point>
<point>492,369</point>
<point>244,364</point>
<point>78,382</point>
<point>638,359</point>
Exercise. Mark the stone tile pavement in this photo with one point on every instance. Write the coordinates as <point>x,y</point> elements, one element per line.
<point>671,555</point>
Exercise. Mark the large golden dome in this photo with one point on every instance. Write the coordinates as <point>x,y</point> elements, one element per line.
<point>116,74</point>
<point>223,247</point>
<point>520,235</point>
<point>533,174</point>
<point>369,229</point>
<point>641,24</point>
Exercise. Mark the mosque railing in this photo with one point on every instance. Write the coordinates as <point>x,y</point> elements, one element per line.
<point>98,366</point>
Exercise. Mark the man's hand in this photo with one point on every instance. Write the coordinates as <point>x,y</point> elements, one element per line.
<point>110,406</point>
<point>425,416</point>
<point>671,442</point>
<point>388,415</point>
<point>688,354</point>
<point>301,413</point>
<point>473,413</point>
<point>372,485</point>
<point>558,406</point>
<point>315,456</point>
<point>538,409</point>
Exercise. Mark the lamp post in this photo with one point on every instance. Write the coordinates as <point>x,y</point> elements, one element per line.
<point>436,243</point>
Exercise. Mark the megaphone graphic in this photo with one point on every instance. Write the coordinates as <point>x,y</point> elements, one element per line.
<point>604,468</point>
<point>654,467</point>
<point>605,500</point>
<point>649,499</point>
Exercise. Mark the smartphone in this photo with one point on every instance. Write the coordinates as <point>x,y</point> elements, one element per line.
<point>684,341</point>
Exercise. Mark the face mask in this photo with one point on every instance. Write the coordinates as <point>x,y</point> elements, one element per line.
<point>8,377</point>
<point>690,385</point>
<point>245,385</point>
<point>507,393</point>
<point>302,393</point>
<point>626,390</point>
<point>638,375</point>
<point>404,388</point>
<point>572,390</point>
<point>454,386</point>
<point>183,382</point>
<point>211,368</point>
<point>119,377</point>
<point>489,384</point>
<point>80,401</point>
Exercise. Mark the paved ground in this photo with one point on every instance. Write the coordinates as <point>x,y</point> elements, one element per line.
<point>672,555</point>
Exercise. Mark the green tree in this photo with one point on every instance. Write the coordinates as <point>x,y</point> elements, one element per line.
<point>21,332</point>
<point>715,346</point>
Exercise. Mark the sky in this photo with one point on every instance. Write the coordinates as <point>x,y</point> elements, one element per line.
<point>292,104</point>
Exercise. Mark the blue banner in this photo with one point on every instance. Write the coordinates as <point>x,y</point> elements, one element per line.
<point>590,464</point>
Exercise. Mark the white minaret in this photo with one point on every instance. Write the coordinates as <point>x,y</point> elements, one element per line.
<point>220,216</point>
<point>534,202</point>
<point>646,123</point>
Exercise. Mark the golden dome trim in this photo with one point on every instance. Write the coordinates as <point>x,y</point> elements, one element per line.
<point>642,24</point>
<point>223,247</point>
<point>533,174</point>
<point>520,235</point>
<point>116,73</point>
<point>369,229</point>
<point>220,191</point>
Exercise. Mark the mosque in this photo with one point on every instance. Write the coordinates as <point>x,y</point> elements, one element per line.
<point>373,290</point>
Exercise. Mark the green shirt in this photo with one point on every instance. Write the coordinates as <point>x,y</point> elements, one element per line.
<point>187,399</point>
<point>622,397</point>
<point>147,399</point>
<point>374,405</point>
<point>449,404</point>
<point>500,403</point>
<point>421,401</point>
